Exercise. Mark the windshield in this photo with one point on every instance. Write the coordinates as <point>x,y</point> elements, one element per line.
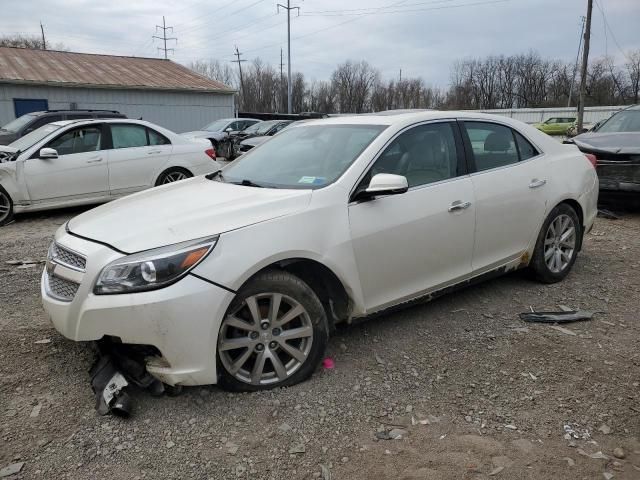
<point>216,126</point>
<point>260,127</point>
<point>18,123</point>
<point>34,137</point>
<point>309,156</point>
<point>625,121</point>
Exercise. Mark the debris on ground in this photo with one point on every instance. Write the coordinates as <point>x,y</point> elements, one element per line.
<point>557,317</point>
<point>571,431</point>
<point>43,341</point>
<point>328,363</point>
<point>608,214</point>
<point>604,428</point>
<point>11,469</point>
<point>393,434</point>
<point>619,453</point>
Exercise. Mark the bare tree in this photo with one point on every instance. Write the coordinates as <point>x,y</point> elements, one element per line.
<point>633,72</point>
<point>213,69</point>
<point>33,42</point>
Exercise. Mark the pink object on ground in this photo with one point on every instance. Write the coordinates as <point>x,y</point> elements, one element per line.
<point>328,363</point>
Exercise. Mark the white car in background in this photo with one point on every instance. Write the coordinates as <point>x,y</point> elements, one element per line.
<point>238,277</point>
<point>78,162</point>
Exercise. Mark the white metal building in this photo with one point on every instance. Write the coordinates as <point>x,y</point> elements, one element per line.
<point>535,115</point>
<point>157,90</point>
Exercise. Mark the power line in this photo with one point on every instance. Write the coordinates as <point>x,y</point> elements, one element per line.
<point>318,12</point>
<point>164,37</point>
<point>608,27</point>
<point>575,68</point>
<point>443,7</point>
<point>288,8</point>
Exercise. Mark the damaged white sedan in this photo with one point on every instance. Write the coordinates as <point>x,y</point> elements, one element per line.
<point>238,277</point>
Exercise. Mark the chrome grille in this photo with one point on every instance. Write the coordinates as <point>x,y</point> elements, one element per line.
<point>61,289</point>
<point>67,257</point>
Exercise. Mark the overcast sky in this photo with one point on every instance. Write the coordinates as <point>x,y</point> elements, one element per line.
<point>423,37</point>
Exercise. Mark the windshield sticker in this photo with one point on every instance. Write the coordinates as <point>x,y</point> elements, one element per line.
<point>313,180</point>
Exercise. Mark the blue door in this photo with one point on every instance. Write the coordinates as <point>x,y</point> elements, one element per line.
<point>28,105</point>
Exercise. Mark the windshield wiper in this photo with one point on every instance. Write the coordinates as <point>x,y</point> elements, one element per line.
<point>217,173</point>
<point>248,183</point>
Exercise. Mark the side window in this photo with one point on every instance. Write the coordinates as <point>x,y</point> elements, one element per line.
<point>237,125</point>
<point>525,149</point>
<point>423,154</point>
<point>156,138</point>
<point>279,127</point>
<point>78,140</point>
<point>127,136</point>
<point>493,145</point>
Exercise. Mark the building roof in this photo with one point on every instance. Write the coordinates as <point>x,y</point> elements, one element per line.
<point>70,69</point>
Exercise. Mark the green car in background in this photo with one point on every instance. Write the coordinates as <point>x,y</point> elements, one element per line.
<point>556,125</point>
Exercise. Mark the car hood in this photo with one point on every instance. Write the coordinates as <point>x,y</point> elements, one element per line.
<point>183,211</point>
<point>8,149</point>
<point>615,142</point>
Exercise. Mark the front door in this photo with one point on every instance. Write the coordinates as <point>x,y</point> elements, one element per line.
<point>408,244</point>
<point>509,185</point>
<point>137,156</point>
<point>80,171</point>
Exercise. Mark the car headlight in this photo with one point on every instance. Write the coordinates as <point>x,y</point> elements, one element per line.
<point>152,269</point>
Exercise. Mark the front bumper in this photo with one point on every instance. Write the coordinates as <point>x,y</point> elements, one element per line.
<point>181,321</point>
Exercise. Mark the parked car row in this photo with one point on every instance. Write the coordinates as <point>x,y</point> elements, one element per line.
<point>78,162</point>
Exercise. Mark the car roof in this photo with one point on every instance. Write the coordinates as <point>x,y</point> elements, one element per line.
<point>64,123</point>
<point>409,117</point>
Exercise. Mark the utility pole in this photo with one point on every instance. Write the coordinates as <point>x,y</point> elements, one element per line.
<point>401,75</point>
<point>164,37</point>
<point>44,42</point>
<point>239,61</point>
<point>288,8</point>
<point>281,82</point>
<point>575,68</point>
<point>585,64</point>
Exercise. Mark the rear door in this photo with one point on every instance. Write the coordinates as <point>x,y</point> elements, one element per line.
<point>80,171</point>
<point>509,181</point>
<point>137,157</point>
<point>408,244</point>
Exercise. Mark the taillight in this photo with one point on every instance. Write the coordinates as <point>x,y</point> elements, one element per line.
<point>211,152</point>
<point>592,158</point>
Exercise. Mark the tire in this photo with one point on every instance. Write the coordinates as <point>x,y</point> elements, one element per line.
<point>552,257</point>
<point>173,174</point>
<point>245,345</point>
<point>6,207</point>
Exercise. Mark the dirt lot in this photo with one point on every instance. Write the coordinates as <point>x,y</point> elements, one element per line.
<point>472,391</point>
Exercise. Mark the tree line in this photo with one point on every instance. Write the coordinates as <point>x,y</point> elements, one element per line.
<point>516,81</point>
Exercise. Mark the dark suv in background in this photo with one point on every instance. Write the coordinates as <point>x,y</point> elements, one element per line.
<point>31,121</point>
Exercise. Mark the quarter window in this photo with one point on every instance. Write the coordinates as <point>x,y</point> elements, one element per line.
<point>423,154</point>
<point>79,140</point>
<point>127,136</point>
<point>157,139</point>
<point>525,149</point>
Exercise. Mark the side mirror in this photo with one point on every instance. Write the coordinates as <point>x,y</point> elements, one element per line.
<point>384,184</point>
<point>228,129</point>
<point>48,153</point>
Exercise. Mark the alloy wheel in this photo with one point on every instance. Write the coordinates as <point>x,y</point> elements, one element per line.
<point>5,206</point>
<point>560,243</point>
<point>266,340</point>
<point>174,177</point>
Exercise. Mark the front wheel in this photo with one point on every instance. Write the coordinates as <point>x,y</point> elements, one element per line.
<point>273,335</point>
<point>6,207</point>
<point>557,245</point>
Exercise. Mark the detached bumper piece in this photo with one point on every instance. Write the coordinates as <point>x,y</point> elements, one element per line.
<point>116,370</point>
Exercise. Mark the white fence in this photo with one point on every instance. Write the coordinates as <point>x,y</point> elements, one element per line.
<point>535,115</point>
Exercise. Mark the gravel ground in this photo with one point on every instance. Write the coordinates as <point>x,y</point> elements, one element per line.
<point>457,388</point>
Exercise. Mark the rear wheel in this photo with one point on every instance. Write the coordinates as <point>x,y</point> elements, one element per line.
<point>273,335</point>
<point>557,245</point>
<point>6,207</point>
<point>173,175</point>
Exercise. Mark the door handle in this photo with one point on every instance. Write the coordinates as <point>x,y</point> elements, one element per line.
<point>459,205</point>
<point>154,152</point>
<point>94,160</point>
<point>535,183</point>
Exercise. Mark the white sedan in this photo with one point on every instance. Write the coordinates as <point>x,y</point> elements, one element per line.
<point>78,162</point>
<point>238,277</point>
